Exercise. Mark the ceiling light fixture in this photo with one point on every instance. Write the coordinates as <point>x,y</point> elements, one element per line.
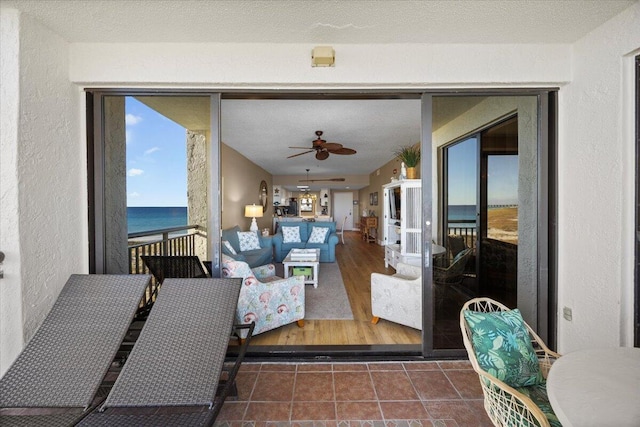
<point>306,194</point>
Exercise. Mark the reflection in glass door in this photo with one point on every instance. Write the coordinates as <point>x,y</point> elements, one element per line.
<point>487,191</point>
<point>497,248</point>
<point>456,266</point>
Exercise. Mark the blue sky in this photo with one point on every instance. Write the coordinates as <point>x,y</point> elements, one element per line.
<point>463,171</point>
<point>156,158</point>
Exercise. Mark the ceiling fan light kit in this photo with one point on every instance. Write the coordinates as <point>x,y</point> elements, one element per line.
<point>323,56</point>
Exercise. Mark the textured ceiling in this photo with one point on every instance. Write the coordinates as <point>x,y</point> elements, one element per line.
<point>435,21</point>
<point>262,130</point>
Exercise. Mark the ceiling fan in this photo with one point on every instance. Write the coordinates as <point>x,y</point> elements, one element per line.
<point>323,148</point>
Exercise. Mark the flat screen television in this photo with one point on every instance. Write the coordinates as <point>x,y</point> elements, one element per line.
<point>394,203</point>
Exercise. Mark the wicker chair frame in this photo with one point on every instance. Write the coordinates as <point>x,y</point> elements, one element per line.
<point>505,405</point>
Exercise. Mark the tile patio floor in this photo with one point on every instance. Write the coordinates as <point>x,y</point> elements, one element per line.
<point>381,394</point>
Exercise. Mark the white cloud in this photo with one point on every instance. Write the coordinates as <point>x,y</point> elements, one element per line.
<point>128,136</point>
<point>134,194</point>
<point>135,172</point>
<point>131,120</point>
<point>151,150</point>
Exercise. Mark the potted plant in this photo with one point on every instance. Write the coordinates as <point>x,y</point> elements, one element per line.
<point>410,156</point>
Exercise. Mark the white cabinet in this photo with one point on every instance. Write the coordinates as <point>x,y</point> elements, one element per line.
<point>402,228</point>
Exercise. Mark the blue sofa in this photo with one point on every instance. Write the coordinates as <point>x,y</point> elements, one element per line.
<point>255,257</point>
<point>327,249</point>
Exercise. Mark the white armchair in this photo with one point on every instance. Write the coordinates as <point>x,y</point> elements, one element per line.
<point>398,298</point>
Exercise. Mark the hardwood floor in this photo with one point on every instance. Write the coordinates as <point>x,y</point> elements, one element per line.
<point>357,260</point>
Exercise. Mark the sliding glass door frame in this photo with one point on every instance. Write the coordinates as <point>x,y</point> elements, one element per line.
<point>546,211</point>
<point>546,203</point>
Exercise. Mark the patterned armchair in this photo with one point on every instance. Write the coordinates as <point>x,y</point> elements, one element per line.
<point>398,298</point>
<point>265,298</point>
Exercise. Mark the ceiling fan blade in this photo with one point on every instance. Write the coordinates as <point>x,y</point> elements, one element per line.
<point>305,148</point>
<point>331,146</point>
<point>322,154</point>
<point>300,154</point>
<point>344,151</point>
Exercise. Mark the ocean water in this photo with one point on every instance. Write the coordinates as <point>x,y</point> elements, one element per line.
<point>141,219</point>
<point>465,213</point>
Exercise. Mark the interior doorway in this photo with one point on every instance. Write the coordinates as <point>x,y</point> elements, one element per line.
<point>343,208</point>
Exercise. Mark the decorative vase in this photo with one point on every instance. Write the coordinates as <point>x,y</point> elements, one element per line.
<point>412,173</point>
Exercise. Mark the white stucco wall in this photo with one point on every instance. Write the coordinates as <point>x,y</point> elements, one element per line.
<point>11,337</point>
<point>46,179</point>
<point>596,169</point>
<point>44,210</point>
<point>288,65</point>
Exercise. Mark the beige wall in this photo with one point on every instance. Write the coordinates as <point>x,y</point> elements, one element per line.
<point>377,179</point>
<point>241,186</point>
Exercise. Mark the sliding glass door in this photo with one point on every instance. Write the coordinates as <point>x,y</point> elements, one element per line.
<point>486,199</point>
<point>486,186</point>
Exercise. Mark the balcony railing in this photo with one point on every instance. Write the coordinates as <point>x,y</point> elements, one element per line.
<point>465,229</point>
<point>167,241</point>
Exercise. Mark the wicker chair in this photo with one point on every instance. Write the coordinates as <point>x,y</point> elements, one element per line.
<point>505,405</point>
<point>456,244</point>
<point>454,273</point>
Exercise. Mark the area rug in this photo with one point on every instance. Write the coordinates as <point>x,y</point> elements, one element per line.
<point>329,300</point>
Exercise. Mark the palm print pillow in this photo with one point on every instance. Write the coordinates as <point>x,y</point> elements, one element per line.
<point>503,347</point>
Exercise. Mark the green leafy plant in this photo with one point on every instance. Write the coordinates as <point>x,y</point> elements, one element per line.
<point>409,154</point>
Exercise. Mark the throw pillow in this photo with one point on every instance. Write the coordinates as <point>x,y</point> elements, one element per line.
<point>248,240</point>
<point>291,235</point>
<point>229,247</point>
<point>503,347</point>
<point>318,235</point>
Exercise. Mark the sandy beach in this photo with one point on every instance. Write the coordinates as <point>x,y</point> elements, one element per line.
<point>503,224</point>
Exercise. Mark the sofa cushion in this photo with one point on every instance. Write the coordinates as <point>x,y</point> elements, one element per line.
<point>503,347</point>
<point>257,257</point>
<point>318,234</point>
<point>248,240</point>
<point>228,247</point>
<point>231,236</point>
<point>291,234</point>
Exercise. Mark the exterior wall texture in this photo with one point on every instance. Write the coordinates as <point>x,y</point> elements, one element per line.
<point>197,184</point>
<point>45,217</point>
<point>11,325</point>
<point>595,271</point>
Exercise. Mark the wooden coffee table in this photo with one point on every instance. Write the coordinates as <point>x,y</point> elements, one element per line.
<point>308,258</point>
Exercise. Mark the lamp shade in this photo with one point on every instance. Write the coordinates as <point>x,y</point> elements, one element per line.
<point>253,211</point>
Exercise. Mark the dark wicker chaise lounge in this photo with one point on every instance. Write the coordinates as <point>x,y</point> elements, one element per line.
<point>56,378</point>
<point>173,374</point>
